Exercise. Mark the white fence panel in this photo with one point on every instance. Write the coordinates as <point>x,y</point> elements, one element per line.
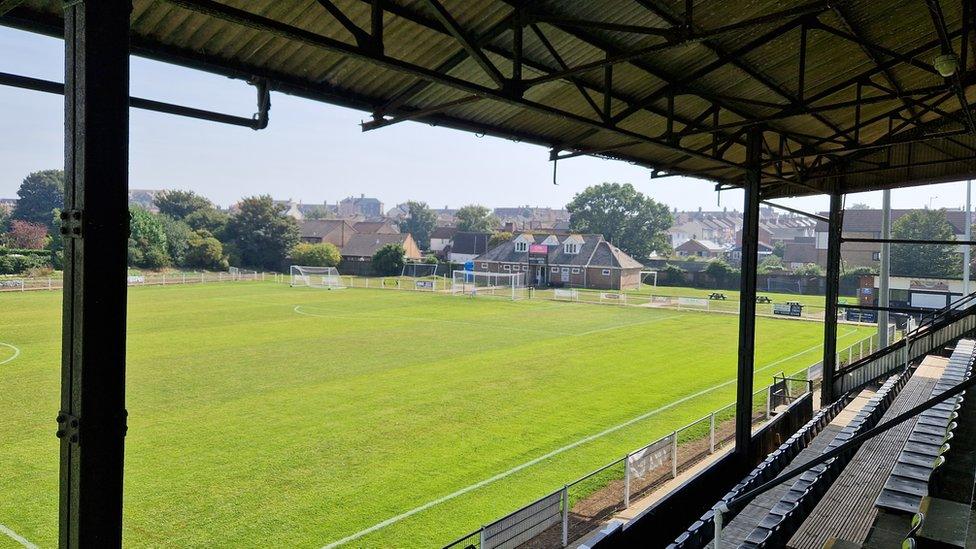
<point>524,524</point>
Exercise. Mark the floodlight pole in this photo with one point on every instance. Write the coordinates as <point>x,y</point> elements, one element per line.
<point>834,230</point>
<point>95,229</point>
<point>747,295</point>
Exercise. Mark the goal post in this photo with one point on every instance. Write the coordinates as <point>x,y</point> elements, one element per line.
<point>649,275</point>
<point>316,277</point>
<point>483,283</point>
<point>419,269</point>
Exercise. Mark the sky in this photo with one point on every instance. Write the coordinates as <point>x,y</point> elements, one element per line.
<point>314,152</point>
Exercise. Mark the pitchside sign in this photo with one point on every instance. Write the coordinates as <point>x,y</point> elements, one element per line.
<point>646,460</point>
<point>538,254</point>
<point>425,284</point>
<point>788,309</point>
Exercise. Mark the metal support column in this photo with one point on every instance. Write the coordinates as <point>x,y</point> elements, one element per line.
<point>95,228</point>
<point>747,297</point>
<point>884,274</point>
<point>834,231</point>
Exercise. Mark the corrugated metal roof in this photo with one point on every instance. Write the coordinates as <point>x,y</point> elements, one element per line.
<point>737,65</point>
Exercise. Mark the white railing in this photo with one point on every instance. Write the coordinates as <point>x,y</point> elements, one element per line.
<point>637,473</point>
<point>141,279</point>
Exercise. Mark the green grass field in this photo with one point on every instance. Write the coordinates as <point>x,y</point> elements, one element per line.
<point>267,416</point>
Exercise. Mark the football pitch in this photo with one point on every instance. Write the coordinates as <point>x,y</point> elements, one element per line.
<point>267,416</point>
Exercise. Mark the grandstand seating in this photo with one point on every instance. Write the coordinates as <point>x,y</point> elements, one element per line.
<point>927,446</point>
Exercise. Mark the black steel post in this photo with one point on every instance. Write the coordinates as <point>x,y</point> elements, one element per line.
<point>95,228</point>
<point>834,230</point>
<point>747,297</point>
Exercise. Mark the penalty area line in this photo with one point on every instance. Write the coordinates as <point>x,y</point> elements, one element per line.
<point>557,451</point>
<point>9,359</point>
<point>17,537</point>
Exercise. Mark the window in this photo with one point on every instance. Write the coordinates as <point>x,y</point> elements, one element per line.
<point>565,270</point>
<point>606,272</point>
<point>507,267</point>
<point>576,270</point>
<point>521,246</point>
<point>876,256</point>
<point>555,269</point>
<point>525,267</point>
<point>484,265</point>
<point>571,248</point>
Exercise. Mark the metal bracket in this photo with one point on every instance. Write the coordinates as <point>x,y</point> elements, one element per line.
<point>71,222</point>
<point>69,427</point>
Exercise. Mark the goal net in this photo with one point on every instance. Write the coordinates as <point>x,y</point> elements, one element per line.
<point>480,283</point>
<point>419,270</point>
<point>316,277</point>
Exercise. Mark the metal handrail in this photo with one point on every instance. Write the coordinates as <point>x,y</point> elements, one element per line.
<point>741,501</point>
<point>927,320</point>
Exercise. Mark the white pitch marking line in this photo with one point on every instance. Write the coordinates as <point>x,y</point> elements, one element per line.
<point>557,451</point>
<point>6,360</point>
<point>17,537</point>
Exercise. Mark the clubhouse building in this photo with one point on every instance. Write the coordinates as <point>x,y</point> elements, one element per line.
<point>572,261</point>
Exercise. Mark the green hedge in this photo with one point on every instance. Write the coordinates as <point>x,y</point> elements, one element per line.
<point>25,252</point>
<point>11,263</point>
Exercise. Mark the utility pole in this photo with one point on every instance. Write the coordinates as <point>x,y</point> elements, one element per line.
<point>885,267</point>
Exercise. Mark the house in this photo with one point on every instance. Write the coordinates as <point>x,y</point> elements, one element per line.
<point>799,252</point>
<point>466,246</point>
<point>441,237</point>
<point>577,260</point>
<point>764,250</point>
<point>376,227</point>
<point>699,248</point>
<point>361,247</point>
<point>362,206</point>
<point>867,224</point>
<point>333,231</point>
<point>144,198</point>
<point>8,204</point>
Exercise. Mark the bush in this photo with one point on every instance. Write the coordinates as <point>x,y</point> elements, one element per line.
<point>206,252</point>
<point>316,255</point>
<point>16,264</point>
<point>388,260</point>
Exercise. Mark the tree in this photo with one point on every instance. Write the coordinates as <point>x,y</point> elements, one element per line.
<point>211,220</point>
<point>771,264</point>
<point>476,219</point>
<point>26,235</point>
<point>779,249</point>
<point>809,269</point>
<point>420,222</point>
<point>924,259</point>
<point>261,233</point>
<point>498,238</point>
<point>178,236</point>
<point>179,204</point>
<point>633,222</point>
<point>316,255</point>
<point>859,206</point>
<point>40,194</point>
<point>205,252</point>
<point>147,239</point>
<point>388,260</point>
<point>719,270</point>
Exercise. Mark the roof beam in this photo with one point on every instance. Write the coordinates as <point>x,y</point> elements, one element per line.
<point>938,20</point>
<point>600,25</point>
<point>359,35</point>
<point>264,24</point>
<point>770,18</point>
<point>466,42</point>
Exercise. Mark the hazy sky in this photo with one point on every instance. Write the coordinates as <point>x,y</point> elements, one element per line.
<point>316,152</point>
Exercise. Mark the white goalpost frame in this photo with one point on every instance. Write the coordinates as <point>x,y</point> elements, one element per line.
<point>475,283</point>
<point>315,277</point>
<point>645,274</point>
<point>419,269</point>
